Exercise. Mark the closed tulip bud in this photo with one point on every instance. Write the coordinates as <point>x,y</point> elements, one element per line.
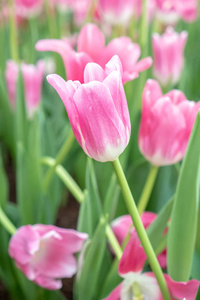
<point>97,109</point>
<point>166,124</point>
<point>168,56</point>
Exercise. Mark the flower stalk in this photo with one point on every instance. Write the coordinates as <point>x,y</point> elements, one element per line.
<point>131,206</point>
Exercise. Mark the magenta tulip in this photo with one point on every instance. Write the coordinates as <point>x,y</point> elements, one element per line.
<point>168,56</point>
<point>166,124</point>
<point>32,79</point>
<point>138,285</point>
<point>28,8</point>
<point>124,225</point>
<point>97,110</point>
<point>45,253</point>
<point>91,48</point>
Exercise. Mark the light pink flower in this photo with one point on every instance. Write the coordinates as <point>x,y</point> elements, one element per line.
<point>91,48</point>
<point>28,8</point>
<point>124,225</point>
<point>166,124</point>
<point>170,11</point>
<point>97,110</point>
<point>32,78</point>
<point>145,284</point>
<point>116,11</point>
<point>45,253</point>
<point>168,53</point>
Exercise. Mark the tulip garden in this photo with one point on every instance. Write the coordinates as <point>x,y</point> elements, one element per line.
<point>99,149</point>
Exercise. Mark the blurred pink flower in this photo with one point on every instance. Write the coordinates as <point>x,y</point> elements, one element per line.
<point>144,285</point>
<point>28,8</point>
<point>32,78</point>
<point>97,109</point>
<point>166,123</point>
<point>116,11</point>
<point>45,253</point>
<point>170,11</point>
<point>168,53</point>
<point>91,48</point>
<point>124,225</point>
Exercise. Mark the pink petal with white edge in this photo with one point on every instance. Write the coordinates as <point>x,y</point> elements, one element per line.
<point>182,290</point>
<point>103,131</point>
<point>133,257</point>
<point>94,72</point>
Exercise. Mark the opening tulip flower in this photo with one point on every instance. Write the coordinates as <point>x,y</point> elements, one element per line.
<point>138,285</point>
<point>32,79</point>
<point>166,124</point>
<point>45,253</point>
<point>97,109</point>
<point>91,48</point>
<point>168,55</point>
<point>123,225</point>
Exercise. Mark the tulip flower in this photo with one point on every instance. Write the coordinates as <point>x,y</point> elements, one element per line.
<point>138,285</point>
<point>166,124</point>
<point>124,225</point>
<point>168,56</point>
<point>28,8</point>
<point>45,253</point>
<point>97,109</point>
<point>89,36</point>
<point>169,11</point>
<point>116,12</point>
<point>32,78</point>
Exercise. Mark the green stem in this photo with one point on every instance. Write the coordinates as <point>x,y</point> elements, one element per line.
<point>146,193</point>
<point>130,203</point>
<point>52,26</point>
<point>33,26</point>
<point>68,181</point>
<point>144,29</point>
<point>60,157</point>
<point>6,222</point>
<point>113,242</point>
<point>13,33</point>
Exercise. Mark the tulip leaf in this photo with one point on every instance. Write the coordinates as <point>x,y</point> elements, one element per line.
<point>111,198</point>
<point>87,279</point>
<point>3,185</point>
<point>91,208</point>
<point>182,232</point>
<point>156,229</point>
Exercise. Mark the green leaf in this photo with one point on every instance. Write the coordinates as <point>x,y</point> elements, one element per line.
<point>156,229</point>
<point>111,198</point>
<point>3,185</point>
<point>87,280</point>
<point>91,208</point>
<point>182,232</point>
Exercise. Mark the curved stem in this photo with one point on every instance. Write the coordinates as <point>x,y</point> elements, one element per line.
<point>6,222</point>
<point>60,157</point>
<point>146,193</point>
<point>66,178</point>
<point>113,242</point>
<point>130,203</point>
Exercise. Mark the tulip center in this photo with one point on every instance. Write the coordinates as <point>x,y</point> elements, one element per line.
<point>137,294</point>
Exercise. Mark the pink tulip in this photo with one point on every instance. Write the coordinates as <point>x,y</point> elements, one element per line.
<point>32,78</point>
<point>169,11</point>
<point>91,48</point>
<point>28,8</point>
<point>168,55</point>
<point>124,225</point>
<point>97,110</point>
<point>140,285</point>
<point>45,253</point>
<point>116,12</point>
<point>166,124</point>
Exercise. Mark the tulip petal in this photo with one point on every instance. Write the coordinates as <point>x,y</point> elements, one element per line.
<point>133,257</point>
<point>48,283</point>
<point>182,290</point>
<point>115,295</point>
<point>93,72</point>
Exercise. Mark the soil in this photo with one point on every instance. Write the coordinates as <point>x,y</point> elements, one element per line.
<point>66,218</point>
